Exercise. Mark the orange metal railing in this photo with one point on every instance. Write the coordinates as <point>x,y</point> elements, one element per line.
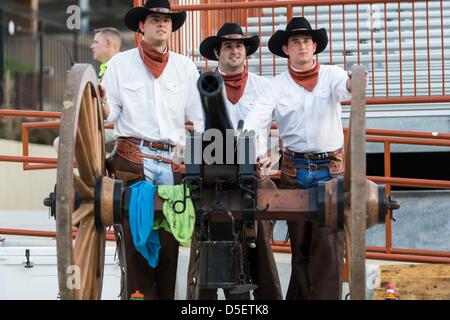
<point>387,137</point>
<point>25,158</point>
<point>204,19</point>
<point>30,162</point>
<point>406,137</point>
<point>45,234</point>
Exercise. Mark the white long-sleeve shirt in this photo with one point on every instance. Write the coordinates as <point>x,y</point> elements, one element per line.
<point>307,121</point>
<point>152,109</point>
<point>253,89</point>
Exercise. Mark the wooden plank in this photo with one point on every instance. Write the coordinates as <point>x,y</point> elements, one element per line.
<point>293,205</point>
<point>358,188</point>
<point>415,281</point>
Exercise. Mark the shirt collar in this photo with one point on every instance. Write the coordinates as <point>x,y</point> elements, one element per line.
<point>296,70</point>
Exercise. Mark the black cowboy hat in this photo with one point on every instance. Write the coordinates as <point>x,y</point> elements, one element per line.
<point>209,44</point>
<point>138,14</point>
<point>298,25</point>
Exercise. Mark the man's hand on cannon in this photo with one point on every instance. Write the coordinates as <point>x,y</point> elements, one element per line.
<point>267,161</point>
<point>178,154</point>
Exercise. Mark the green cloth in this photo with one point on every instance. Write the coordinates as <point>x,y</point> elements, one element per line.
<point>181,225</point>
<point>103,67</point>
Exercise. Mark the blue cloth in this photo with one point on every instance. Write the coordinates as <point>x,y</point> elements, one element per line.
<point>308,178</point>
<point>141,214</point>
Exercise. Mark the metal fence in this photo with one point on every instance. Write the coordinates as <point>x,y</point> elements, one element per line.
<point>404,44</point>
<point>36,55</point>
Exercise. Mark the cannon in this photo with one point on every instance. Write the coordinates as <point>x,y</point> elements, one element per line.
<point>351,203</point>
<point>233,170</point>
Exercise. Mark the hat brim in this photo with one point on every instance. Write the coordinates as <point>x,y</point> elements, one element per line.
<point>138,14</point>
<point>209,44</point>
<point>281,37</point>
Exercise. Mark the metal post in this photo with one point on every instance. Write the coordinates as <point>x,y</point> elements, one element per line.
<point>1,57</point>
<point>41,64</point>
<point>358,188</point>
<point>75,45</point>
<point>85,11</point>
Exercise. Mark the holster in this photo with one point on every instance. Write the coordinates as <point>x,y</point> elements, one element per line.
<point>288,178</point>
<point>337,165</point>
<point>124,162</point>
<point>176,171</point>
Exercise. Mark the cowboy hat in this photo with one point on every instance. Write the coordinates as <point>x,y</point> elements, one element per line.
<point>228,32</point>
<point>138,14</point>
<point>298,25</point>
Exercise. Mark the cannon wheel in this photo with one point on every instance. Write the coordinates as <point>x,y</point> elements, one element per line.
<point>355,189</point>
<point>80,261</point>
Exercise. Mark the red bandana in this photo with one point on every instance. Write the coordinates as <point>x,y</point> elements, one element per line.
<point>154,60</point>
<point>235,85</point>
<point>306,79</point>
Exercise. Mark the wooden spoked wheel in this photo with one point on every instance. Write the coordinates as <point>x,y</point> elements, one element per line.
<point>81,159</point>
<point>355,190</point>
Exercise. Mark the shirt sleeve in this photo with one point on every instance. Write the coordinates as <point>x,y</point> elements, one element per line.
<point>259,117</point>
<point>111,85</point>
<point>339,84</point>
<point>194,110</point>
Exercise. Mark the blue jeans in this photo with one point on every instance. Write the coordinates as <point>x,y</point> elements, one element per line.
<point>157,172</point>
<point>308,178</point>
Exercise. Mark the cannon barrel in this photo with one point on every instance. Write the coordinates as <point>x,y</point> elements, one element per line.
<point>212,92</point>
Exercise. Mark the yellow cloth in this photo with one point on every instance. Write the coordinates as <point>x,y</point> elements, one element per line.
<point>181,225</point>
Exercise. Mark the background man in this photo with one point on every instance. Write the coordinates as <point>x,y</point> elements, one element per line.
<point>106,44</point>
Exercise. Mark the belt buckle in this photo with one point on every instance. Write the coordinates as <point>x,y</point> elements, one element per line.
<point>159,158</point>
<point>312,166</point>
<point>151,147</point>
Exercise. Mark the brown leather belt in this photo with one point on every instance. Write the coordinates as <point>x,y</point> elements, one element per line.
<point>152,145</point>
<point>313,156</point>
<point>312,166</point>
